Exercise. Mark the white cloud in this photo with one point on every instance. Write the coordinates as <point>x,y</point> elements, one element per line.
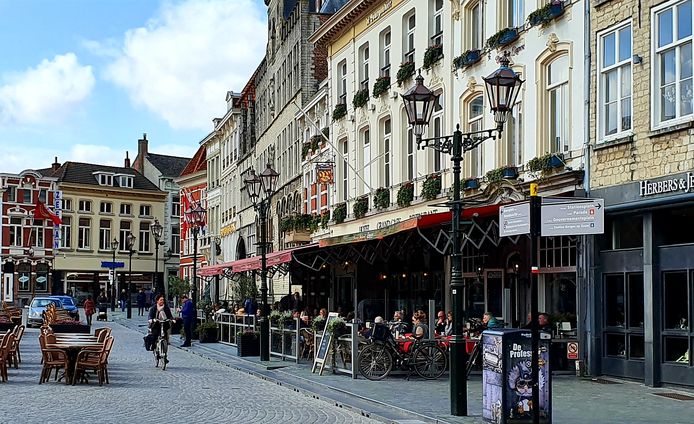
<point>93,153</point>
<point>46,93</point>
<point>183,62</point>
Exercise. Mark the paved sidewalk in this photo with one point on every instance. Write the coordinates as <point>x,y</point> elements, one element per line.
<point>398,400</point>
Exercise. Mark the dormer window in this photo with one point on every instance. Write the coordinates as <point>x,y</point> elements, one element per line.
<point>126,181</point>
<point>105,179</point>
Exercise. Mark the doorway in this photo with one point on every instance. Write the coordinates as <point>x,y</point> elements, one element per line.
<point>8,288</point>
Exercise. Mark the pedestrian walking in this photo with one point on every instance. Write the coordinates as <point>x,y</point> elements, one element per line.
<point>188,315</point>
<point>141,300</point>
<point>123,299</point>
<point>89,309</point>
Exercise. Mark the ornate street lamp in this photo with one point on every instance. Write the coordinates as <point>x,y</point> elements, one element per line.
<point>130,244</point>
<point>502,88</point>
<point>195,217</point>
<point>256,185</point>
<point>114,276</point>
<point>157,230</point>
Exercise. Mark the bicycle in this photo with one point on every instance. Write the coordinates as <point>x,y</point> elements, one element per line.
<point>161,346</point>
<point>382,353</point>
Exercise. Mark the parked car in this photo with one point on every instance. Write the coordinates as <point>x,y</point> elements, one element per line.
<point>69,305</point>
<point>37,307</point>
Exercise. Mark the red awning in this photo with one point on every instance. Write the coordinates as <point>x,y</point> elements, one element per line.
<point>249,264</point>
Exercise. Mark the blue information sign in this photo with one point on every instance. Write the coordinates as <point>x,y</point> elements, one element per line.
<point>111,265</point>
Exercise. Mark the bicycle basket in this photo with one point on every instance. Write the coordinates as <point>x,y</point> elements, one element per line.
<point>380,332</point>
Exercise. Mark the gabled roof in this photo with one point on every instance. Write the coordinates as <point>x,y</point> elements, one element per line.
<point>83,173</point>
<point>344,16</point>
<point>197,163</point>
<point>169,166</point>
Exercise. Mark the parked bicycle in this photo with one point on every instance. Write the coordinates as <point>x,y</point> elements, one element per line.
<point>383,353</point>
<point>161,346</point>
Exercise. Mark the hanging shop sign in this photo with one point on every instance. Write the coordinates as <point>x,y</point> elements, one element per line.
<point>324,173</point>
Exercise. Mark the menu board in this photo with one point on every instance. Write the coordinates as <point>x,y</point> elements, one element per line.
<point>323,348</point>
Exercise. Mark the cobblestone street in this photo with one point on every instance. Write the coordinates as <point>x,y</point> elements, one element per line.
<point>192,389</point>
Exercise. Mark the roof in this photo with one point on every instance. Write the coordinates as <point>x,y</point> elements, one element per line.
<point>83,173</point>
<point>343,17</point>
<point>169,166</point>
<point>197,163</point>
<point>332,6</point>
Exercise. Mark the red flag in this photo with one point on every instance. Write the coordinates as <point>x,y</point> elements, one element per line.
<point>42,212</point>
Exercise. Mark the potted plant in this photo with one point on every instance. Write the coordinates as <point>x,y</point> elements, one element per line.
<point>546,162</point>
<point>431,187</point>
<point>468,58</point>
<point>503,172</point>
<point>340,111</point>
<point>361,97</point>
<point>248,343</point>
<point>502,38</point>
<point>360,207</point>
<point>381,86</point>
<point>207,331</point>
<point>382,198</point>
<point>546,14</point>
<point>275,316</point>
<point>318,324</point>
<point>287,224</point>
<point>324,218</point>
<point>405,194</point>
<point>405,72</point>
<point>432,55</point>
<point>340,213</point>
<point>286,319</point>
<point>471,183</point>
<point>69,326</point>
<point>336,327</point>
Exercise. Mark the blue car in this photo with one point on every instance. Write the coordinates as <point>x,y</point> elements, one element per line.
<point>69,305</point>
<point>38,307</point>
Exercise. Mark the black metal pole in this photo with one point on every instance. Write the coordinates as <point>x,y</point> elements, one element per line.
<point>264,323</point>
<point>195,267</point>
<point>458,383</point>
<point>216,289</point>
<point>130,283</point>
<point>535,205</point>
<point>114,280</point>
<point>155,280</point>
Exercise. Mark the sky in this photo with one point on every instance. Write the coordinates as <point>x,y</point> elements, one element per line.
<point>84,79</point>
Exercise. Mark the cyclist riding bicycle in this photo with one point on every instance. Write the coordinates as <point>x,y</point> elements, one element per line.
<point>160,312</point>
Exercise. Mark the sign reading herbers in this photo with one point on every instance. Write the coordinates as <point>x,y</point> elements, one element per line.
<point>650,188</point>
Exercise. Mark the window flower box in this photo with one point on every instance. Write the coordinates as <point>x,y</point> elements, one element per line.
<point>340,111</point>
<point>405,194</point>
<point>502,38</point>
<point>382,199</point>
<point>431,187</point>
<point>468,58</point>
<point>340,213</point>
<point>360,207</point>
<point>546,14</point>
<point>432,56</point>
<point>405,72</point>
<point>546,162</point>
<point>504,172</point>
<point>471,184</point>
<point>361,98</point>
<point>381,86</point>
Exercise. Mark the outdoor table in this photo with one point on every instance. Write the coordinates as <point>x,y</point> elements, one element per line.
<point>72,348</point>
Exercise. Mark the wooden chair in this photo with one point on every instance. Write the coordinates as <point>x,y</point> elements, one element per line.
<point>91,360</point>
<point>102,333</point>
<point>7,342</point>
<point>52,359</point>
<point>309,342</point>
<point>15,355</point>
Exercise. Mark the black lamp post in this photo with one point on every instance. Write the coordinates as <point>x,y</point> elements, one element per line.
<point>266,182</point>
<point>130,244</point>
<point>502,88</point>
<point>195,216</point>
<point>157,230</point>
<point>114,276</point>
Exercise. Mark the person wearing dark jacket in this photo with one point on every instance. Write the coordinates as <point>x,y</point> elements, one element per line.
<point>160,311</point>
<point>188,315</point>
<point>141,300</point>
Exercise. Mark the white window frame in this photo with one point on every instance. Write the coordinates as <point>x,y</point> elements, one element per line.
<point>146,210</point>
<point>175,206</point>
<point>85,206</point>
<point>344,184</point>
<point>365,136</point>
<point>105,235</point>
<point>475,123</point>
<point>342,78</point>
<point>386,40</point>
<point>473,30</point>
<point>619,66</point>
<point>563,87</point>
<point>84,234</point>
<point>409,41</point>
<point>437,131</point>
<point>39,233</point>
<point>129,207</point>
<point>175,240</point>
<point>66,204</point>
<point>656,123</point>
<point>436,36</point>
<point>124,229</point>
<point>516,13</point>
<point>410,165</point>
<point>126,181</point>
<point>16,232</point>
<point>387,152</point>
<point>143,240</point>
<point>364,66</point>
<point>106,207</point>
<point>513,140</point>
<point>66,232</point>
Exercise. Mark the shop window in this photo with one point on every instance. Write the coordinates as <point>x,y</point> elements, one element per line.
<point>41,284</point>
<point>675,302</point>
<point>636,346</point>
<point>674,226</point>
<point>676,349</point>
<point>24,276</point>
<point>635,300</point>
<point>624,232</point>
<point>614,301</point>
<point>615,344</point>
<point>558,252</point>
<point>560,298</point>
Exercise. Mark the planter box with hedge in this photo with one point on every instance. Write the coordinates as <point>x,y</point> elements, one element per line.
<point>431,187</point>
<point>248,343</point>
<point>381,199</point>
<point>361,98</point>
<point>546,162</point>
<point>432,56</point>
<point>360,207</point>
<point>381,86</point>
<point>546,14</point>
<point>340,213</point>
<point>207,332</point>
<point>340,111</point>
<point>468,58</point>
<point>405,194</point>
<point>405,72</point>
<point>502,38</point>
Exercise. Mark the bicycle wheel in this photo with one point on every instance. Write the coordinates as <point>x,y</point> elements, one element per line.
<point>429,361</point>
<point>155,351</point>
<point>375,362</point>
<point>164,348</point>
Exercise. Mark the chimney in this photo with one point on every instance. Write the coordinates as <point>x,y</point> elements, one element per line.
<point>141,153</point>
<point>55,165</point>
<point>127,161</point>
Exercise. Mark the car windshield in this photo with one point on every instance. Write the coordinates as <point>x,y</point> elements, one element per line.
<point>39,303</point>
<point>67,301</point>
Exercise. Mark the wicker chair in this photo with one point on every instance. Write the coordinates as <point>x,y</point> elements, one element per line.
<point>5,346</point>
<point>52,359</point>
<point>91,360</point>
<point>308,344</point>
<point>15,356</point>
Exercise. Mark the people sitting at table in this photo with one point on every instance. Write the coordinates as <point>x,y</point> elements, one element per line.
<point>489,321</point>
<point>367,332</point>
<point>448,330</point>
<point>323,313</point>
<point>440,327</point>
<point>398,326</point>
<point>420,329</point>
<point>542,321</point>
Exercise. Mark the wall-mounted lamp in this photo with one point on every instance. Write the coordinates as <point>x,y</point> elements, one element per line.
<point>636,59</point>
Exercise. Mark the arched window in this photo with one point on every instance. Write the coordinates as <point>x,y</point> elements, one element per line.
<point>557,98</point>
<point>474,122</point>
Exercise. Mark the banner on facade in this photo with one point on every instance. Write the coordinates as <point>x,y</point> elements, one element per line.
<point>324,173</point>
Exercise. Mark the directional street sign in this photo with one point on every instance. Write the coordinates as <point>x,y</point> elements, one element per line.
<point>109,264</point>
<point>514,219</point>
<point>578,217</point>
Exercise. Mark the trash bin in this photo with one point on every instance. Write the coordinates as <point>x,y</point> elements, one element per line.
<point>507,378</point>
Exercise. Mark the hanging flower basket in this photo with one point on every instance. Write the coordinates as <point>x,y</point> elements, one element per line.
<point>466,59</point>
<point>405,194</point>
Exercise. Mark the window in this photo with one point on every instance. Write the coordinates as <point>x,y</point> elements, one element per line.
<point>123,235</point>
<point>85,206</point>
<point>145,210</point>
<point>408,42</point>
<point>126,181</point>
<point>436,35</point>
<point>342,77</point>
<point>345,162</point>
<point>385,53</point>
<point>11,193</point>
<point>623,315</point>
<point>672,64</point>
<point>144,236</point>
<point>410,157</point>
<point>176,206</point>
<point>66,232</point>
<point>175,239</point>
<point>624,232</point>
<point>364,66</point>
<point>558,103</point>
<point>514,13</point>
<point>24,272</point>
<point>27,194</point>
<point>386,153</point>
<point>105,180</point>
<point>614,110</point>
<point>39,233</point>
<point>43,195</point>
<point>126,209</point>
<point>475,111</point>
<point>437,128</point>
<point>16,234</point>
<point>106,207</point>
<point>84,234</point>
<point>473,26</point>
<point>366,168</point>
<point>513,137</point>
<point>105,234</point>
<point>66,204</point>
<point>41,283</point>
